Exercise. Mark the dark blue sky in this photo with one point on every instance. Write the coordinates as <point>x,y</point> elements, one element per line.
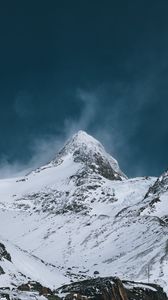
<point>101,66</point>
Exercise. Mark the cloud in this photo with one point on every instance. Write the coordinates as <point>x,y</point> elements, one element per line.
<point>45,148</point>
<point>8,169</point>
<point>89,102</point>
<point>122,121</point>
<point>112,113</point>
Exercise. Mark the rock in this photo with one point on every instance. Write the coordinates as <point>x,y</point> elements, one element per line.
<point>1,271</point>
<point>111,288</point>
<point>4,253</point>
<point>33,286</point>
<point>96,272</point>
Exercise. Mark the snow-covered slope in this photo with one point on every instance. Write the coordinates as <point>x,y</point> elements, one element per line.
<point>80,214</point>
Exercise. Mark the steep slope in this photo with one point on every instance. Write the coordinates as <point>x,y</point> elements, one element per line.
<point>80,214</point>
<point>156,199</point>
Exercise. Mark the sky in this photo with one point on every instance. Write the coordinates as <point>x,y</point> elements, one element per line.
<point>99,66</point>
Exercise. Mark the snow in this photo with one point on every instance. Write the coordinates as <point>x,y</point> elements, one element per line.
<point>89,144</point>
<point>57,230</point>
<point>140,285</point>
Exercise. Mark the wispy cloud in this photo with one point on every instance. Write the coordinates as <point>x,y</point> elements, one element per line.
<point>45,148</point>
<point>112,114</point>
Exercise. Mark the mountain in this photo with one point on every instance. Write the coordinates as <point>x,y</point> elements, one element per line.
<point>79,216</point>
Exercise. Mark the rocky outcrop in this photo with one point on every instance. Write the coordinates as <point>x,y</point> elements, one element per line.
<point>4,253</point>
<point>96,163</point>
<point>33,286</point>
<point>1,271</point>
<point>159,187</point>
<point>111,288</point>
<point>91,154</point>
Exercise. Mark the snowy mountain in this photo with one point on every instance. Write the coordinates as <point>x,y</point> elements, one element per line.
<point>79,215</point>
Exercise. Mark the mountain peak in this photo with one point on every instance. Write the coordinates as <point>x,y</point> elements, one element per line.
<point>87,150</point>
<point>83,136</point>
<point>83,139</point>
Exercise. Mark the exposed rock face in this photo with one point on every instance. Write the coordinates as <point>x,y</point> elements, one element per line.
<point>4,253</point>
<point>111,288</point>
<point>160,186</point>
<point>87,150</point>
<point>155,200</point>
<point>1,271</point>
<point>33,286</point>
